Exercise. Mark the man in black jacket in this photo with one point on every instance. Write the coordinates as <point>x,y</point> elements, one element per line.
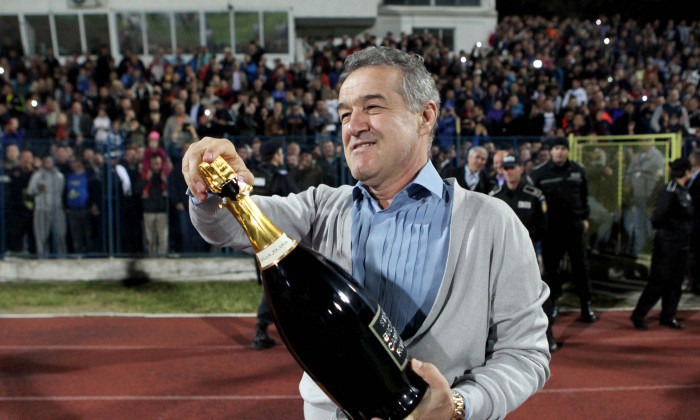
<point>694,191</point>
<point>673,220</point>
<point>472,176</point>
<point>270,179</point>
<point>529,204</point>
<point>565,187</point>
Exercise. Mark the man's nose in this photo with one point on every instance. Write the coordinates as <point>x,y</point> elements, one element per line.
<point>359,122</point>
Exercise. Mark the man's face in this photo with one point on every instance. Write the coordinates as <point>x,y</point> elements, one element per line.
<point>305,161</point>
<point>560,154</point>
<point>513,173</point>
<point>47,163</point>
<point>382,139</point>
<point>476,161</point>
<point>156,164</point>
<point>498,162</point>
<point>328,150</point>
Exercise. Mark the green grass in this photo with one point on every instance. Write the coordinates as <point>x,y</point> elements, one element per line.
<point>117,297</point>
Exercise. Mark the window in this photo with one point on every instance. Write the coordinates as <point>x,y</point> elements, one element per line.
<point>447,35</point>
<point>408,2</point>
<point>218,31</point>
<point>68,34</point>
<point>247,29</point>
<point>130,30</point>
<point>187,32</point>
<point>38,34</point>
<point>458,2</point>
<point>10,33</point>
<point>276,26</point>
<point>159,36</point>
<point>96,32</point>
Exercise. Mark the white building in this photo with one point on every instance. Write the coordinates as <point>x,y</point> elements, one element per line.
<point>76,26</point>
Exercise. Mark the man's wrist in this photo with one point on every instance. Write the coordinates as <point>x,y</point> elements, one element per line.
<point>460,406</point>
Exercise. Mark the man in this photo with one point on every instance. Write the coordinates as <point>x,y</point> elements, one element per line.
<point>498,177</point>
<point>472,176</point>
<point>154,201</point>
<point>20,205</point>
<point>530,205</point>
<point>673,220</point>
<point>270,179</point>
<point>80,206</point>
<point>694,190</point>
<point>329,164</point>
<point>307,174</point>
<point>644,174</point>
<point>46,186</point>
<point>566,190</point>
<point>472,314</point>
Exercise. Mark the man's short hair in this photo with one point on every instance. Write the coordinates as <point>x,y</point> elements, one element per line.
<point>679,167</point>
<point>417,86</point>
<point>475,149</point>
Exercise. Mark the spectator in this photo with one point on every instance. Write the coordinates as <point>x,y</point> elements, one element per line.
<point>46,186</point>
<point>178,129</point>
<point>307,174</point>
<point>329,163</point>
<point>19,204</point>
<point>81,206</point>
<point>154,199</point>
<point>472,176</point>
<point>190,240</point>
<point>79,125</point>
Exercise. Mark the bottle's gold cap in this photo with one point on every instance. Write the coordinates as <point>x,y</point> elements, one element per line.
<point>218,173</point>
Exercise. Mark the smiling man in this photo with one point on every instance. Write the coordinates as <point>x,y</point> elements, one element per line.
<point>454,270</point>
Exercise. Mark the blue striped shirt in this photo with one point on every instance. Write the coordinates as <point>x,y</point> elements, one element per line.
<point>399,253</point>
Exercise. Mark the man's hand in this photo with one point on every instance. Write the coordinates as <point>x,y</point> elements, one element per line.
<point>437,402</point>
<point>207,150</point>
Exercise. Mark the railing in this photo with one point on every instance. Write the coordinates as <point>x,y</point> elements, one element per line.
<point>117,222</point>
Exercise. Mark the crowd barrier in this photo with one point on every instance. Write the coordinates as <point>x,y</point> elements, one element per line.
<point>618,209</point>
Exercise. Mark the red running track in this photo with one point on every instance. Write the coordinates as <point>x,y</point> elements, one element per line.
<point>202,368</point>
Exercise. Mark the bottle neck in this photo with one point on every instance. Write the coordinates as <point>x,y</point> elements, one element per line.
<point>257,227</point>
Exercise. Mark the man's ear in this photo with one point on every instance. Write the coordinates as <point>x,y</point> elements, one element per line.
<point>429,115</point>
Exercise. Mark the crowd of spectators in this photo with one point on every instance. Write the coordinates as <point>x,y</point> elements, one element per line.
<point>125,123</point>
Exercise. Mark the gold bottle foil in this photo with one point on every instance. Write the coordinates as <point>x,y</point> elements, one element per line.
<point>259,229</point>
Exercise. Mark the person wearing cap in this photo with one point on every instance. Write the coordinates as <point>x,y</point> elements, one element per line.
<point>673,220</point>
<point>530,205</point>
<point>270,179</point>
<point>565,187</point>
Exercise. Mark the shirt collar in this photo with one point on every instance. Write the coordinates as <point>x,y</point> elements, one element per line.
<point>427,179</point>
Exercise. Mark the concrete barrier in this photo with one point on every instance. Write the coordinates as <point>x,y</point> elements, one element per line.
<point>119,269</point>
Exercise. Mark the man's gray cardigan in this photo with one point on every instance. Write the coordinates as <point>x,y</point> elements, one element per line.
<point>486,330</point>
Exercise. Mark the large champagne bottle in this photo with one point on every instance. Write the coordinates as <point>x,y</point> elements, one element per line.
<point>337,333</point>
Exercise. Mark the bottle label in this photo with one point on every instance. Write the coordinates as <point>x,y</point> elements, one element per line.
<point>382,327</point>
<point>273,253</point>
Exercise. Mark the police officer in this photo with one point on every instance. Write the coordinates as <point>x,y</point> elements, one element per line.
<point>673,220</point>
<point>270,179</point>
<point>564,185</point>
<point>529,204</point>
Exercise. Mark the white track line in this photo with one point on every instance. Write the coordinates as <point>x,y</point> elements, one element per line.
<point>153,398</point>
<point>620,388</point>
<point>119,348</point>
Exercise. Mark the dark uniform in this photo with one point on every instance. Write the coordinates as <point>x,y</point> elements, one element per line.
<point>566,190</point>
<point>269,180</point>
<point>673,220</point>
<point>529,204</point>
<point>694,190</point>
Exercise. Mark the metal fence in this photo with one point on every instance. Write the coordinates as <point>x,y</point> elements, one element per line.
<point>624,176</point>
